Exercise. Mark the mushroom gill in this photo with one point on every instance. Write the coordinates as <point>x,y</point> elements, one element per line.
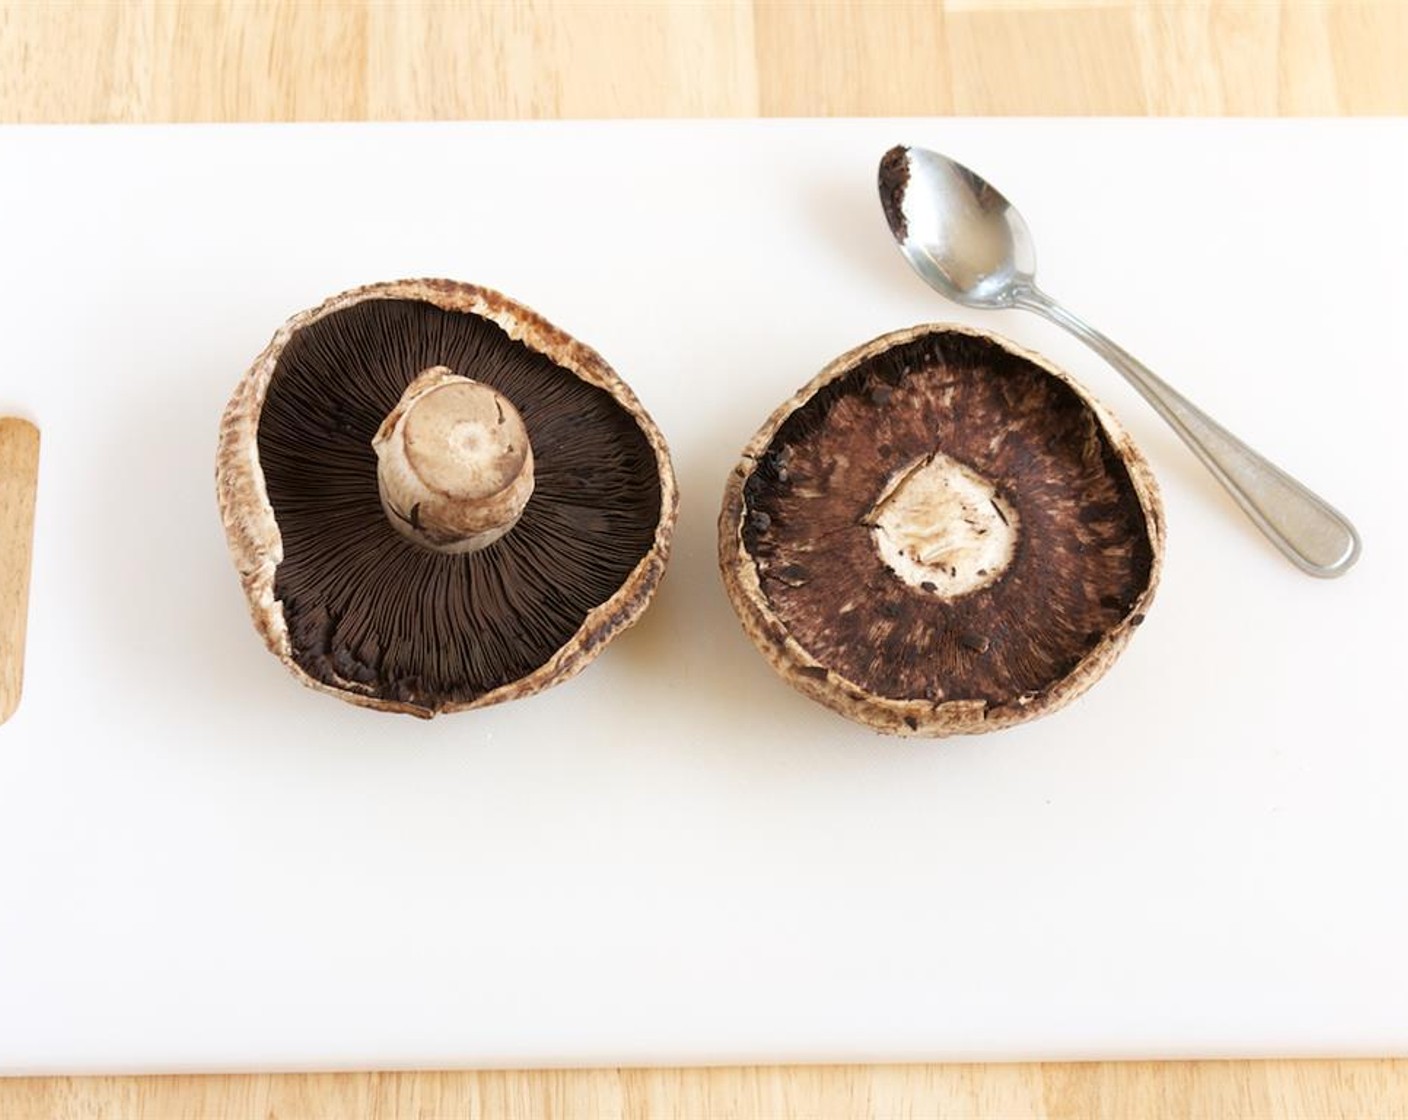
<point>940,533</point>
<point>372,613</point>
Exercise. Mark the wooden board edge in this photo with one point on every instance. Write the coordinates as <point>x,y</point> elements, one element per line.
<point>19,476</point>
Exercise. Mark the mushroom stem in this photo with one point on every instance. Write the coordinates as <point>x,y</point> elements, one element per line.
<point>454,465</point>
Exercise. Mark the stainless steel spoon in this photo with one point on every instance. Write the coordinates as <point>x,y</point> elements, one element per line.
<point>971,245</point>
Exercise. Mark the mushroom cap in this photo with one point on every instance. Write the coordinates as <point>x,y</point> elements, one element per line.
<point>304,635</point>
<point>845,619</point>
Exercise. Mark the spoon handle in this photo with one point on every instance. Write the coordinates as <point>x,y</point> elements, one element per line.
<point>1305,527</point>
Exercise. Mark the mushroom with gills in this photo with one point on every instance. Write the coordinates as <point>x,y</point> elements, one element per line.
<point>941,534</point>
<point>436,500</point>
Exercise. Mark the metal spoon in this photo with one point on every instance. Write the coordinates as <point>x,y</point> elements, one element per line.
<point>971,245</point>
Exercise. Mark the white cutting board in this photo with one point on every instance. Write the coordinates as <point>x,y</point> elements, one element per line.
<point>674,858</point>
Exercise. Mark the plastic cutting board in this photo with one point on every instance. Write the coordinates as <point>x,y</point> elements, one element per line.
<point>674,858</point>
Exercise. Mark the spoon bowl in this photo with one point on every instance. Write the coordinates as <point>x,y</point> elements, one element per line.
<point>956,230</point>
<point>970,244</point>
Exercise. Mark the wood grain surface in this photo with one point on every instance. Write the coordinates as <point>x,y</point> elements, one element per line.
<point>19,466</point>
<point>206,60</point>
<point>1128,1090</point>
<point>158,60</point>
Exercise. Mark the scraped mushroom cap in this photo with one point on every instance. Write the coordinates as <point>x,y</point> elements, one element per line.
<point>941,534</point>
<point>537,555</point>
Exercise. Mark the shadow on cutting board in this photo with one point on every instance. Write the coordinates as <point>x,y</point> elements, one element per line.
<point>165,607</point>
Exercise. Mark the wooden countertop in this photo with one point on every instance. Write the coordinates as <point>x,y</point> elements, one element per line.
<point>156,60</point>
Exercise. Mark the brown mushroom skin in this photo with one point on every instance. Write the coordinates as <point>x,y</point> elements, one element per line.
<point>758,589</point>
<point>256,544</point>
